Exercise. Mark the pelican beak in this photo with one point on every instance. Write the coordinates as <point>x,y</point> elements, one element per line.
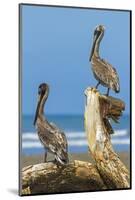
<point>37,110</point>
<point>93,46</point>
<point>96,36</point>
<point>94,43</point>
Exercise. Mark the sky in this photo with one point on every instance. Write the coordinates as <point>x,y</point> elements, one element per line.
<point>56,44</point>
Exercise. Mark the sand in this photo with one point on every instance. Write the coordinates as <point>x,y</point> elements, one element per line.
<point>35,159</point>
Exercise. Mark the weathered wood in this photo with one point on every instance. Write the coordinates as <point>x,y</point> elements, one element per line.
<point>98,109</point>
<point>49,178</point>
<point>107,173</point>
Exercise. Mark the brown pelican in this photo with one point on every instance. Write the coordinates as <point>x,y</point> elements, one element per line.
<point>104,72</point>
<point>52,138</point>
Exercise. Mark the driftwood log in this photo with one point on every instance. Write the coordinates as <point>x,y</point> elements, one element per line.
<point>108,172</point>
<point>98,111</point>
<point>49,178</point>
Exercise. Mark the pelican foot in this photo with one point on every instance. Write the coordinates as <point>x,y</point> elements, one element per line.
<point>106,95</point>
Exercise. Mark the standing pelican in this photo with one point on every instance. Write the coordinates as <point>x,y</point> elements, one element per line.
<point>53,139</point>
<point>104,72</point>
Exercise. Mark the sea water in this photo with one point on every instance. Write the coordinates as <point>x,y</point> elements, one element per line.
<point>73,127</point>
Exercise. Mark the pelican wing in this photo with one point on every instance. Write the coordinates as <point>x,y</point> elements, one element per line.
<point>113,76</point>
<point>106,74</point>
<point>53,125</point>
<point>54,140</point>
<point>56,129</point>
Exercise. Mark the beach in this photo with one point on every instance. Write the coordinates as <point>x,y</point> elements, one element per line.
<point>73,126</point>
<point>35,159</point>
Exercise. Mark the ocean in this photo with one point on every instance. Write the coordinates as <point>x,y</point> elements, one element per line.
<point>73,126</point>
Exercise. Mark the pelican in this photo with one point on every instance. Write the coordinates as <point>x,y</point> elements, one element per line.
<point>51,137</point>
<point>105,73</point>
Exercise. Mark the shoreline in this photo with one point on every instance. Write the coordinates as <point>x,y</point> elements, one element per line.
<point>38,158</point>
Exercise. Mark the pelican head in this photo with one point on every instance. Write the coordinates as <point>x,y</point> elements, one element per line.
<point>98,34</point>
<point>43,91</point>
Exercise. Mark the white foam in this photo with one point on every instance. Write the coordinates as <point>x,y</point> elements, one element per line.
<point>30,136</point>
<point>28,145</point>
<point>77,142</point>
<point>119,141</point>
<point>120,133</point>
<point>31,140</point>
<point>72,135</point>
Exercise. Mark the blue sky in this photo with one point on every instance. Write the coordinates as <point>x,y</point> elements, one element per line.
<point>56,44</point>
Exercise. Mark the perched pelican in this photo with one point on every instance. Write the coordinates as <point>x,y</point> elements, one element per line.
<point>52,138</point>
<point>104,72</point>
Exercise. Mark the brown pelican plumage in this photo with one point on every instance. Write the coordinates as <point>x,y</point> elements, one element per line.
<point>104,72</point>
<point>51,137</point>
